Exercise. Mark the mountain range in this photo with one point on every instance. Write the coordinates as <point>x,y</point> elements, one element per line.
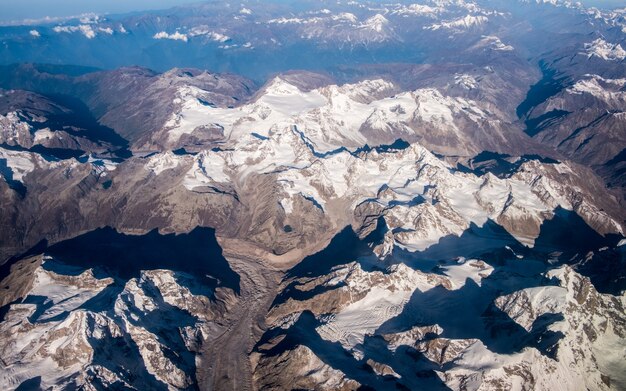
<point>315,195</point>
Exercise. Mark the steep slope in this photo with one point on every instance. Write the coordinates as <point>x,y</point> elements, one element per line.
<point>53,125</point>
<point>369,112</point>
<point>140,320</point>
<point>291,151</point>
<point>510,318</point>
<point>132,102</point>
<point>585,120</point>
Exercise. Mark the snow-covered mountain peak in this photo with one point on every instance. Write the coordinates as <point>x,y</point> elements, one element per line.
<point>418,10</point>
<point>279,86</point>
<point>605,50</point>
<point>460,24</point>
<point>608,90</point>
<point>377,23</point>
<point>73,328</point>
<point>365,91</point>
<point>493,42</point>
<point>345,17</point>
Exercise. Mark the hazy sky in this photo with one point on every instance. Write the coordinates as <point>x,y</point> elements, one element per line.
<point>602,3</point>
<point>35,9</point>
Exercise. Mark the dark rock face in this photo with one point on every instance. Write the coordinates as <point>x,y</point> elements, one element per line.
<point>582,116</point>
<point>55,125</point>
<point>132,104</point>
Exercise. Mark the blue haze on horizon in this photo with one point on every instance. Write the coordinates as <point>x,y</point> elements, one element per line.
<point>12,10</point>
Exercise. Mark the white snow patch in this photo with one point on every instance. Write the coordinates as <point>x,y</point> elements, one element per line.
<point>176,36</point>
<point>287,21</point>
<point>102,165</point>
<point>345,17</point>
<point>106,30</point>
<point>464,23</point>
<point>375,23</point>
<point>208,169</point>
<point>20,163</point>
<point>473,269</point>
<point>43,134</point>
<point>206,31</point>
<point>84,29</point>
<point>466,81</point>
<point>605,50</point>
<point>161,162</point>
<point>493,42</point>
<point>605,89</point>
<point>418,10</point>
